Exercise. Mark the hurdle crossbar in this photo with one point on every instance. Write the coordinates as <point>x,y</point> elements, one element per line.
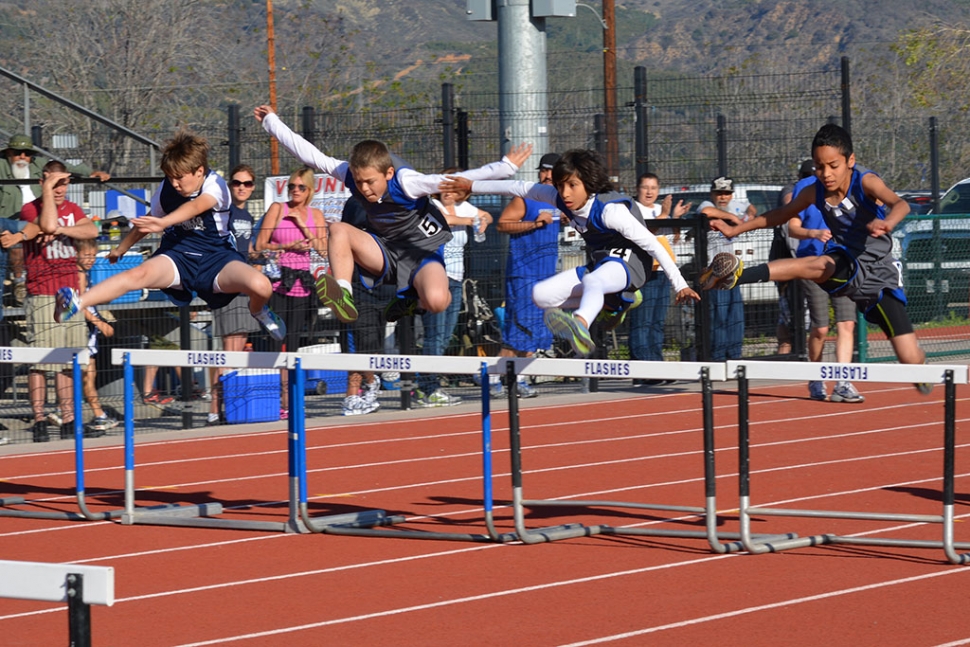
<point>703,372</point>
<point>76,358</point>
<point>367,526</point>
<point>199,515</point>
<point>79,586</point>
<point>948,375</point>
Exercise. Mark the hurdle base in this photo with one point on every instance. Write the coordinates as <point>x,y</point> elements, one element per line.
<point>147,515</point>
<point>555,533</point>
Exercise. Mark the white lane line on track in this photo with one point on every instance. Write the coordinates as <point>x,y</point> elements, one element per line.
<point>755,609</point>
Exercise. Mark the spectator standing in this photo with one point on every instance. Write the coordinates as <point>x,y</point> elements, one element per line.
<point>291,229</point>
<point>726,306</point>
<point>232,323</point>
<point>21,161</point>
<point>647,321</point>
<point>51,263</point>
<point>366,334</point>
<point>87,253</point>
<point>533,229</point>
<point>461,216</point>
<point>11,233</point>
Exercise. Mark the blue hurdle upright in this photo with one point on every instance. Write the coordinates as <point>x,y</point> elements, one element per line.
<point>365,526</point>
<point>74,357</point>
<point>198,515</point>
<point>949,376</point>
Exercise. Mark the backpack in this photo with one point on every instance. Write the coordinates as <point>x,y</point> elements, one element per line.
<point>482,334</point>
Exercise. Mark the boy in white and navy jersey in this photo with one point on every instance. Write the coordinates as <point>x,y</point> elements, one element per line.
<point>405,232</point>
<point>196,254</point>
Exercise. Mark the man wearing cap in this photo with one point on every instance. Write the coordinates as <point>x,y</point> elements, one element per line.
<point>811,233</point>
<point>21,161</point>
<point>726,306</point>
<point>533,229</point>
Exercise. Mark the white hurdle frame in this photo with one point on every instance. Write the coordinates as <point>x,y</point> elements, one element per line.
<point>447,365</point>
<point>704,372</point>
<point>200,515</point>
<point>78,585</point>
<point>948,375</point>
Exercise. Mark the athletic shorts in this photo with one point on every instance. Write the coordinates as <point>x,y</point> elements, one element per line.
<point>818,305</point>
<point>197,273</point>
<point>44,332</point>
<point>863,279</point>
<point>401,262</point>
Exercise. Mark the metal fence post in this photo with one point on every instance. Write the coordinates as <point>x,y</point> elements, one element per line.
<point>461,127</point>
<point>448,123</point>
<point>309,122</point>
<point>722,168</point>
<point>640,119</point>
<point>233,134</point>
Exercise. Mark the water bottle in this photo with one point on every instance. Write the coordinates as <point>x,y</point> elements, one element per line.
<point>272,267</point>
<point>476,228</point>
<point>114,231</point>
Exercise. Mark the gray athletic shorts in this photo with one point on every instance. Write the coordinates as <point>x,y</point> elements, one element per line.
<point>863,280</point>
<point>818,305</point>
<point>234,319</point>
<point>44,332</point>
<point>402,260</point>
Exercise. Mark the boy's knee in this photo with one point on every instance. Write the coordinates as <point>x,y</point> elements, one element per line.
<point>437,300</point>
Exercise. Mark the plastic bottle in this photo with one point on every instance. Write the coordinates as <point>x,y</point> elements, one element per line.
<point>476,228</point>
<point>248,348</point>
<point>114,231</point>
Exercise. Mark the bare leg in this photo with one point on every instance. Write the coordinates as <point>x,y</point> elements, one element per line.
<point>158,272</point>
<point>907,349</point>
<point>347,245</point>
<point>844,341</point>
<point>238,277</point>
<point>91,391</point>
<point>813,268</point>
<point>65,395</point>
<point>37,385</point>
<point>431,283</point>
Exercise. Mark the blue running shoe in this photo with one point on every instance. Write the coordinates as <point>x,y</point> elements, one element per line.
<point>271,323</point>
<point>66,304</point>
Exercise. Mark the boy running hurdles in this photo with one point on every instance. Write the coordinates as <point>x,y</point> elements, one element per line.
<point>403,244</point>
<point>857,262</point>
<point>620,247</point>
<point>196,253</point>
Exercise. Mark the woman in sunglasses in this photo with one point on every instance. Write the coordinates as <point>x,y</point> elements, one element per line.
<point>289,230</point>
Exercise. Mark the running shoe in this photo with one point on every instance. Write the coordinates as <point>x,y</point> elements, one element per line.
<point>103,423</point>
<point>67,431</point>
<point>440,398</point>
<point>723,272</point>
<point>356,405</point>
<point>611,319</point>
<point>496,390</point>
<point>157,399</point>
<point>66,304</point>
<point>401,307</point>
<point>925,388</point>
<point>284,414</point>
<point>212,419</point>
<point>336,297</point>
<point>525,390</point>
<point>566,326</point>
<point>271,323</point>
<point>846,392</point>
<point>816,391</point>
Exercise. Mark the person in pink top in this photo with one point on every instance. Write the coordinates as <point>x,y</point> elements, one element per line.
<point>289,231</point>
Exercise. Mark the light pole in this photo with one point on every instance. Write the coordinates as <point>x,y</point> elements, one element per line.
<point>608,20</point>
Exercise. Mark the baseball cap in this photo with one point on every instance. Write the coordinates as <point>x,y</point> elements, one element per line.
<point>20,143</point>
<point>807,168</point>
<point>548,161</point>
<point>724,184</point>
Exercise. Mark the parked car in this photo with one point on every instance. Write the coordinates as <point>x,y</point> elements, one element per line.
<point>920,201</point>
<point>957,198</point>
<point>752,247</point>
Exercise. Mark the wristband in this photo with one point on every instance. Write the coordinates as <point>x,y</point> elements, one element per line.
<point>24,234</point>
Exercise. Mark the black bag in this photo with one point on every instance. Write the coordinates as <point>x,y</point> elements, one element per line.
<point>779,245</point>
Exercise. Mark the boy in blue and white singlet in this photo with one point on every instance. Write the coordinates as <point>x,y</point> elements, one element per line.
<point>857,261</point>
<point>196,254</point>
<point>405,232</point>
<point>620,247</point>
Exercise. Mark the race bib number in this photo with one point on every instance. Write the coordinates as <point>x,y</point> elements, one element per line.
<point>622,253</point>
<point>429,226</point>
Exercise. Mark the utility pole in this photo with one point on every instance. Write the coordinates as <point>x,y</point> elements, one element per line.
<point>274,146</point>
<point>609,90</point>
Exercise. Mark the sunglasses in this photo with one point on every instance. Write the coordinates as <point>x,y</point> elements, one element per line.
<point>296,187</point>
<point>247,183</point>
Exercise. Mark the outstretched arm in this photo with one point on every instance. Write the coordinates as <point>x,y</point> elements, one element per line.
<point>298,146</point>
<point>417,184</point>
<point>773,218</point>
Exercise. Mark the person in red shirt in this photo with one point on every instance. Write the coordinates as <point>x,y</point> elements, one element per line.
<point>51,263</point>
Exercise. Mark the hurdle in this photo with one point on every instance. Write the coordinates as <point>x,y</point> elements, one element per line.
<point>17,355</point>
<point>199,515</point>
<point>705,372</point>
<point>448,365</point>
<point>949,376</point>
<point>79,586</point>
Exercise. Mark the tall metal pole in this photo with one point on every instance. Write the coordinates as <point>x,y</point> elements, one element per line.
<point>232,115</point>
<point>448,123</point>
<point>522,79</point>
<point>640,112</point>
<point>609,90</point>
<point>274,146</point>
<point>846,96</point>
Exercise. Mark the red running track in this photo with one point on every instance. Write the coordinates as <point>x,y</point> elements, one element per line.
<point>184,586</point>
